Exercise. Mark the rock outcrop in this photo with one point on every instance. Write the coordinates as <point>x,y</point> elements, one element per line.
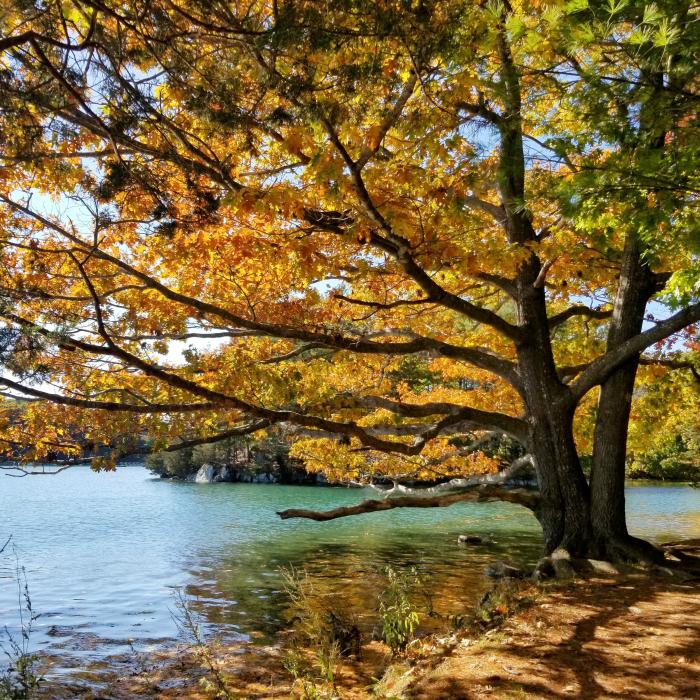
<point>254,473</point>
<point>206,474</point>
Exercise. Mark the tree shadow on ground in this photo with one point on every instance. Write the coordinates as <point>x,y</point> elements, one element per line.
<point>632,638</point>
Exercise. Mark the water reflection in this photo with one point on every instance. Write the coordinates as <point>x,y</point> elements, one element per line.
<point>242,587</point>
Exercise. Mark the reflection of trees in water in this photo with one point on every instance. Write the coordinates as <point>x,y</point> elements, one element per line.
<point>242,587</point>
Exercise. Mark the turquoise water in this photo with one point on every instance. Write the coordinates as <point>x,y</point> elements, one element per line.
<point>105,553</point>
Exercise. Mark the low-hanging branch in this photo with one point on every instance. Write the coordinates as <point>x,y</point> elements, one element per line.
<point>523,497</point>
<point>218,399</point>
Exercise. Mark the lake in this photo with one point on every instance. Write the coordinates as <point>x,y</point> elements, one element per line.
<point>105,554</point>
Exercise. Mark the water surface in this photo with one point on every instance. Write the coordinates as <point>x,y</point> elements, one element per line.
<point>104,553</point>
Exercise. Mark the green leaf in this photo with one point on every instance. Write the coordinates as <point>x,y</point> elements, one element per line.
<point>574,6</point>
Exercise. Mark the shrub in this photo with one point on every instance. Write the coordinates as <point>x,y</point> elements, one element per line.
<point>216,683</point>
<point>398,615</point>
<point>676,459</point>
<point>322,634</point>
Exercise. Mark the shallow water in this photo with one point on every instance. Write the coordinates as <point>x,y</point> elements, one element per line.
<point>105,553</point>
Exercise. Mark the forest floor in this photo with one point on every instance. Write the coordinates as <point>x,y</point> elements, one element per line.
<point>628,636</point>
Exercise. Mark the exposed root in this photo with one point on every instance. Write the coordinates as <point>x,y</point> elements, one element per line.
<point>622,555</point>
<point>631,550</point>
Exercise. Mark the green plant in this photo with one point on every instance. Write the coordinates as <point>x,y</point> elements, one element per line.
<point>21,678</point>
<point>398,615</point>
<point>676,458</point>
<point>216,684</point>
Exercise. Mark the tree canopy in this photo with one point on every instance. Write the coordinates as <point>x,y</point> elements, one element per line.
<point>397,229</point>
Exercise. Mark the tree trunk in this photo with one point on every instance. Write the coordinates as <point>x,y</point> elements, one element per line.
<point>614,405</point>
<point>564,512</point>
<point>635,288</point>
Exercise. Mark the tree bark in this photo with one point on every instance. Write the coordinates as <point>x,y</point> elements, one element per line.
<point>564,511</point>
<point>614,404</point>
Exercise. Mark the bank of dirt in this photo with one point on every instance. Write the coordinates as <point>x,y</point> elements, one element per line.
<point>635,637</point>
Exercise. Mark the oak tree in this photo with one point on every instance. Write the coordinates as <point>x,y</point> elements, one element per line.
<point>396,230</point>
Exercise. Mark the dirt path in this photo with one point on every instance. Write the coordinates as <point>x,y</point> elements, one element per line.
<point>629,638</point>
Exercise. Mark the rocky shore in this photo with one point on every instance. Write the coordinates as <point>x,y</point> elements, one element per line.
<point>273,473</point>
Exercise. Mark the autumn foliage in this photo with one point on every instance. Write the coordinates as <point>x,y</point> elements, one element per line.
<point>397,231</point>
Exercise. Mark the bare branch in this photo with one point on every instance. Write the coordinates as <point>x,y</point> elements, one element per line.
<point>522,497</point>
<point>542,275</point>
<point>579,310</point>
<point>459,484</point>
<point>494,210</point>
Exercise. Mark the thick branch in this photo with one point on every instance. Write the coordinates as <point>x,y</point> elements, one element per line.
<point>219,399</point>
<point>400,248</point>
<point>579,310</point>
<point>488,419</point>
<point>520,496</point>
<point>218,437</point>
<point>600,369</point>
<point>671,364</point>
<point>108,405</point>
<point>484,360</point>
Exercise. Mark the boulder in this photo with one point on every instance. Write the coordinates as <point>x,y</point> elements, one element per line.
<point>206,474</point>
<point>561,561</point>
<point>543,570</point>
<point>500,569</point>
<point>603,567</point>
<point>474,539</point>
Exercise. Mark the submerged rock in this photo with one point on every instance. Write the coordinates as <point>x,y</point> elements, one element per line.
<point>474,539</point>
<point>500,569</point>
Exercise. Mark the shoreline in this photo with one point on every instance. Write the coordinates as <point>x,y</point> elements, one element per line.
<point>633,635</point>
